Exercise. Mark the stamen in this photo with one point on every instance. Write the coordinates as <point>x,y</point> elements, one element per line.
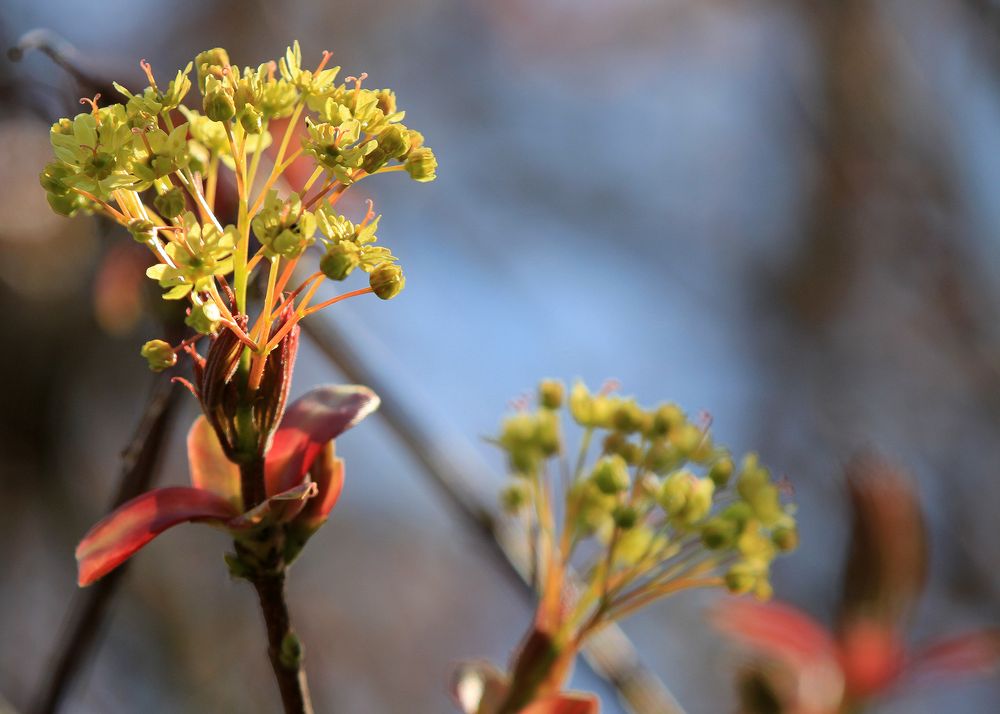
<point>520,404</point>
<point>145,140</point>
<point>326,58</point>
<point>93,106</point>
<point>148,69</point>
<point>369,214</point>
<point>357,86</point>
<point>357,80</point>
<point>611,385</point>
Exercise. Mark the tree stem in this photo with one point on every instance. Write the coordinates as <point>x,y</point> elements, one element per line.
<point>283,648</point>
<point>264,553</point>
<point>252,483</point>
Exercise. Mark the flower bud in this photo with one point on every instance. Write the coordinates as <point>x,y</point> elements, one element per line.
<point>159,354</point>
<point>665,418</point>
<point>626,416</point>
<point>547,433</point>
<point>719,533</point>
<point>65,205</point>
<point>218,104</point>
<point>581,405</point>
<point>204,318</point>
<point>251,120</point>
<point>614,443</point>
<point>393,141</point>
<point>288,243</point>
<point>766,504</point>
<point>515,496</point>
<point>387,280</point>
<point>634,544</point>
<point>52,177</point>
<point>785,538</point>
<point>208,62</point>
<point>170,203</point>
<point>739,513</point>
<point>631,452</point>
<point>391,144</point>
<point>421,164</point>
<point>741,579</point>
<point>386,101</point>
<point>700,501</point>
<point>142,231</point>
<point>625,517</point>
<point>338,262</point>
<point>610,475</point>
<point>721,471</point>
<point>675,492</point>
<point>687,438</point>
<point>550,393</point>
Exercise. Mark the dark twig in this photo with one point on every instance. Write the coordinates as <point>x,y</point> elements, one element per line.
<point>90,607</point>
<point>283,647</point>
<point>609,653</point>
<point>263,557</point>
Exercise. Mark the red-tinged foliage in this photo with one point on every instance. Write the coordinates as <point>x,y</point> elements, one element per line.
<point>776,629</point>
<point>865,655</point>
<point>973,653</point>
<point>310,423</point>
<point>872,658</point>
<point>115,538</point>
<point>303,479</point>
<point>328,474</point>
<point>210,469</point>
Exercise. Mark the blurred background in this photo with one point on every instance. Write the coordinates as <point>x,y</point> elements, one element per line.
<point>784,213</point>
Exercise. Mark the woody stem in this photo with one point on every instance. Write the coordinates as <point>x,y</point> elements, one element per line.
<point>268,579</point>
<point>282,647</point>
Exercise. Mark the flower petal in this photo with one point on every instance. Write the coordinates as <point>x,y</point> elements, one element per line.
<point>320,415</point>
<point>129,527</point>
<point>210,469</point>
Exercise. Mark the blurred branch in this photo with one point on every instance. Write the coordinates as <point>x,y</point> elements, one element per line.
<point>610,653</point>
<point>91,606</point>
<point>61,52</point>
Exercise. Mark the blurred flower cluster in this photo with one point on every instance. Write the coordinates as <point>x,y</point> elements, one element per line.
<point>661,509</point>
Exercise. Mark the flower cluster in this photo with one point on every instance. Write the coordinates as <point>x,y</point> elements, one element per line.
<point>156,166</point>
<point>660,509</point>
<point>660,490</point>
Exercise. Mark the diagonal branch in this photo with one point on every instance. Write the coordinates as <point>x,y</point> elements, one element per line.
<point>90,607</point>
